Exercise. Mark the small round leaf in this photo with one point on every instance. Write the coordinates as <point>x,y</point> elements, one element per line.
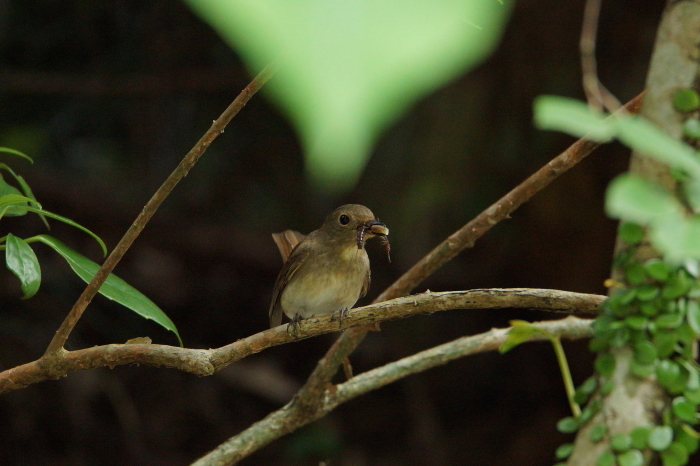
<point>660,437</point>
<point>631,233</point>
<point>686,100</point>
<point>607,458</point>
<point>630,458</point>
<point>621,442</point>
<point>674,455</point>
<point>567,425</point>
<point>691,128</point>
<point>597,432</point>
<point>605,364</point>
<point>684,409</point>
<point>564,451</point>
<point>639,437</point>
<point>656,269</point>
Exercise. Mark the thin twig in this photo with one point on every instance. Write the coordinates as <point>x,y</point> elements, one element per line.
<point>598,96</point>
<point>207,362</point>
<point>151,206</point>
<point>294,414</point>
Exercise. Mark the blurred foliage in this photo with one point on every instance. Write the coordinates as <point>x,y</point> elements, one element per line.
<point>350,69</point>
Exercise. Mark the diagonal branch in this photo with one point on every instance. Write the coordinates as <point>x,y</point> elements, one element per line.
<point>151,206</point>
<point>295,414</point>
<point>207,362</point>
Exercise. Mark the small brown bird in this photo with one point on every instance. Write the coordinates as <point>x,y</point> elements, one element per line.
<point>328,270</point>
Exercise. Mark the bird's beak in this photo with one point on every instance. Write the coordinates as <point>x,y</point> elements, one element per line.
<point>378,228</point>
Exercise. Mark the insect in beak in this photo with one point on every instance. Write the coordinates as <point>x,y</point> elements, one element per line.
<point>375,228</point>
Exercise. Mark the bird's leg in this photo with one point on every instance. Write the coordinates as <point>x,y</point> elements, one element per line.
<point>339,315</point>
<point>294,325</point>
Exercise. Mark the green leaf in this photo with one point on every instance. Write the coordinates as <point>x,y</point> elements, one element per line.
<point>10,209</point>
<point>669,320</point>
<point>574,117</point>
<point>71,223</point>
<point>639,436</point>
<point>684,410</point>
<point>675,455</point>
<point>660,437</point>
<point>678,237</point>
<point>676,287</point>
<point>643,136</point>
<point>22,262</point>
<point>665,343</point>
<point>584,391</point>
<point>693,315</point>
<point>570,116</point>
<point>631,197</point>
<point>520,332</point>
<point>607,458</point>
<point>605,364</point>
<point>693,395</point>
<point>588,412</point>
<point>686,100</point>
<point>597,433</point>
<point>25,188</point>
<point>630,458</point>
<point>691,189</point>
<point>350,68</point>
<point>114,287</point>
<point>636,322</point>
<point>631,233</point>
<point>687,436</point>
<point>668,373</point>
<point>642,370</point>
<point>621,442</point>
<point>606,387</point>
<point>648,292</point>
<point>564,451</point>
<point>657,269</point>
<point>635,274</point>
<point>567,425</point>
<point>645,352</point>
<point>691,128</point>
<point>7,150</point>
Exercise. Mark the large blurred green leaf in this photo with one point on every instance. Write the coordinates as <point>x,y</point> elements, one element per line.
<point>350,67</point>
<point>114,287</point>
<point>21,261</point>
<point>574,117</point>
<point>634,198</point>
<point>630,197</point>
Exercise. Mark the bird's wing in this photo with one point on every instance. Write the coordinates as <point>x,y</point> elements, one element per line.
<point>297,257</point>
<point>286,241</point>
<point>365,284</point>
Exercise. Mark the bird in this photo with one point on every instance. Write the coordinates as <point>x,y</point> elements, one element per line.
<point>326,271</point>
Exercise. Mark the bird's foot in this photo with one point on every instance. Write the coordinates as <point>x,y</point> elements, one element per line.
<point>339,315</point>
<point>294,325</point>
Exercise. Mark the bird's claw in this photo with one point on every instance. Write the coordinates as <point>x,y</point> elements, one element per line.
<point>294,325</point>
<point>339,315</point>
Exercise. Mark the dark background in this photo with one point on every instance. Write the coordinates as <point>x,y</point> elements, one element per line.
<point>107,97</point>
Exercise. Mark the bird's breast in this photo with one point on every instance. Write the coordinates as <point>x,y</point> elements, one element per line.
<point>325,285</point>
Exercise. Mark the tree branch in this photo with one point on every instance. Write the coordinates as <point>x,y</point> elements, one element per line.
<point>206,362</point>
<point>295,414</point>
<point>463,238</point>
<point>150,208</point>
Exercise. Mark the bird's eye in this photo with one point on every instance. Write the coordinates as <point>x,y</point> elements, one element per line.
<point>344,219</point>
